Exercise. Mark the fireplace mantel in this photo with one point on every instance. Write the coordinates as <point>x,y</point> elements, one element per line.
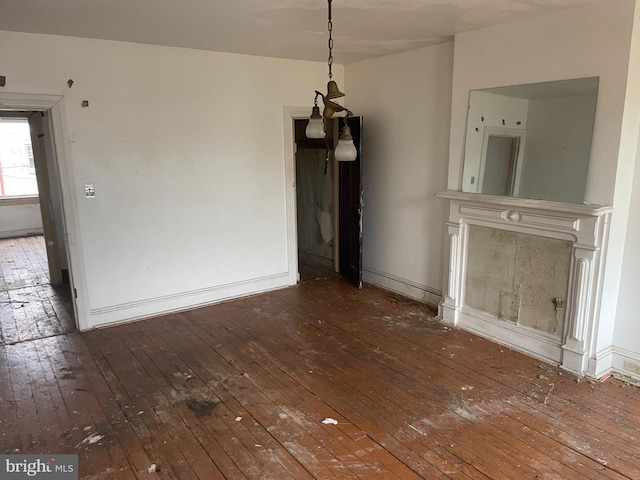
<point>585,226</point>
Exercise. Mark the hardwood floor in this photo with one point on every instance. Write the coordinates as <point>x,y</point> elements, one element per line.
<point>30,307</point>
<point>311,269</point>
<point>246,390</point>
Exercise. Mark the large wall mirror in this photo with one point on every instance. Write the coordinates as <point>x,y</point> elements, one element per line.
<point>531,141</point>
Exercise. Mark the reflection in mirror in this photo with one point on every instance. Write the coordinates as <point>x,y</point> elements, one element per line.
<point>531,141</point>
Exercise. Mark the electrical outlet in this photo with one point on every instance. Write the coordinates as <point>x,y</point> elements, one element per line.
<point>89,190</point>
<point>631,366</point>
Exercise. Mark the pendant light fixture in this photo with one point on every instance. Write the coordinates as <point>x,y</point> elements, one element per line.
<point>316,128</point>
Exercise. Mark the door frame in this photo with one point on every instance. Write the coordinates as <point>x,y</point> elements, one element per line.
<point>54,105</point>
<point>519,160</point>
<point>351,206</point>
<point>36,131</point>
<point>290,115</point>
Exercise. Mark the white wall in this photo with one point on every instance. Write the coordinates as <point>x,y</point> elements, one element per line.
<point>185,149</point>
<point>405,103</point>
<point>20,217</point>
<point>591,41</point>
<point>557,149</point>
<point>626,344</point>
<point>586,42</point>
<point>627,328</point>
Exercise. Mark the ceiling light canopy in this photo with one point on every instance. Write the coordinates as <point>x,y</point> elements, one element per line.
<point>316,128</point>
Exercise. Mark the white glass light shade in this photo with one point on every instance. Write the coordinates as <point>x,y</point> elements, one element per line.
<point>315,127</point>
<point>346,150</point>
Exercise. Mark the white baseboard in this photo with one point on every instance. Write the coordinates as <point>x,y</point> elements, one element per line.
<point>601,365</point>
<point>626,362</point>
<point>617,360</point>
<point>151,307</point>
<point>21,233</point>
<point>408,288</point>
<point>525,339</point>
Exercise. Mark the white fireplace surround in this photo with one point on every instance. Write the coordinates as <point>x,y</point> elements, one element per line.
<point>586,226</point>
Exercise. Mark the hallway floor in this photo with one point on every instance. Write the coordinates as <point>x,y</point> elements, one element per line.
<point>313,270</point>
<point>30,307</point>
<point>317,381</point>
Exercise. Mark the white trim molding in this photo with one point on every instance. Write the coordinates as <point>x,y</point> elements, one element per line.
<point>55,105</point>
<point>516,173</point>
<point>529,340</point>
<point>625,362</point>
<point>151,307</point>
<point>19,200</point>
<point>25,232</point>
<point>585,226</point>
<point>289,115</point>
<point>408,288</point>
<point>601,363</point>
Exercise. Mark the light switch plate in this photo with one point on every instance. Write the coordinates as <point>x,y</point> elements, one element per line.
<point>89,190</point>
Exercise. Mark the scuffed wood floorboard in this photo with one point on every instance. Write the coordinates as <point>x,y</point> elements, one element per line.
<point>240,390</point>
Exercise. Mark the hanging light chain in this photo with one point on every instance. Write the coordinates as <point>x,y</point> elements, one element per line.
<point>330,28</point>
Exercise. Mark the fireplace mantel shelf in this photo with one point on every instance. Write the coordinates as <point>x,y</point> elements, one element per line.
<point>582,209</point>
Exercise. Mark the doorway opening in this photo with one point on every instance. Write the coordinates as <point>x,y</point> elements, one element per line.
<point>343,232</point>
<point>35,291</point>
<point>317,203</point>
<point>501,161</point>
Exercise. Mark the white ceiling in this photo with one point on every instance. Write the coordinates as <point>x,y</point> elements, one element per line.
<point>276,28</point>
